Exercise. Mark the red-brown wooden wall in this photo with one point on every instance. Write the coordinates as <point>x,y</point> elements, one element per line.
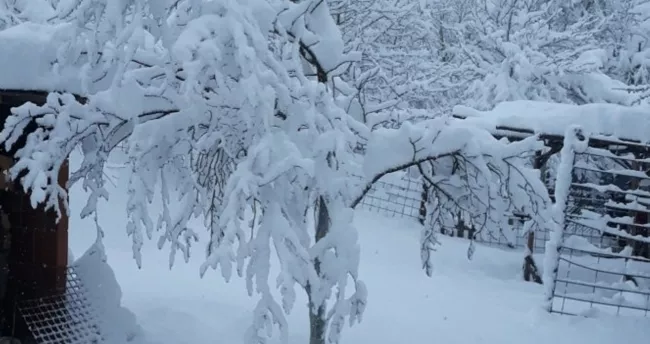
<point>38,256</point>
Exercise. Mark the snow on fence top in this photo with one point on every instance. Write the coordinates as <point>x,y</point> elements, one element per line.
<point>522,118</point>
<point>31,58</point>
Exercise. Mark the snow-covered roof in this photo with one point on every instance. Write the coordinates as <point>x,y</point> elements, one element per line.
<point>28,59</point>
<point>625,122</point>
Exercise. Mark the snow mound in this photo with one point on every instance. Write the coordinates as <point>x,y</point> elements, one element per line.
<point>117,324</point>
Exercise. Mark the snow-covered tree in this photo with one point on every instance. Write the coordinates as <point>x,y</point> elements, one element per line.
<point>196,87</point>
<point>438,54</point>
<point>626,38</point>
<point>230,111</point>
<point>399,60</point>
<point>518,52</point>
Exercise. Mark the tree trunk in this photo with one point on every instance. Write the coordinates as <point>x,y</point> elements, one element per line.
<point>317,321</point>
<point>317,325</point>
<point>531,273</point>
<point>424,199</point>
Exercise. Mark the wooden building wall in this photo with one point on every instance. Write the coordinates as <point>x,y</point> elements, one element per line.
<point>38,245</point>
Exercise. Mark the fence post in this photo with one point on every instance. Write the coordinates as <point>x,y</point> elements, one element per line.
<point>572,137</point>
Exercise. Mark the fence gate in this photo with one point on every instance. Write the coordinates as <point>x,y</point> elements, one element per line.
<point>603,260</point>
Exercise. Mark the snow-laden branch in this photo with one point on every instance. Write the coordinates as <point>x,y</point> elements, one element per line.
<point>468,172</point>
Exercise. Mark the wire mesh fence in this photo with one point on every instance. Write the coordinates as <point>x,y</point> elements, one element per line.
<point>604,260</point>
<point>513,236</point>
<point>400,195</point>
<point>605,282</point>
<point>63,318</point>
<point>396,195</point>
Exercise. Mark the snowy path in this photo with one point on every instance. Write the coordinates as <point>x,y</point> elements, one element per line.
<point>479,301</point>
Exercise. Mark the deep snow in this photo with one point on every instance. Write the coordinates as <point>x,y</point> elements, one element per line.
<point>478,301</point>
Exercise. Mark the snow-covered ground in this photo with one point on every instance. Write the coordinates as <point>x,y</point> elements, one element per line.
<point>478,301</point>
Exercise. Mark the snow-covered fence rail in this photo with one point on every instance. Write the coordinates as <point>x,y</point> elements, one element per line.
<point>603,247</point>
